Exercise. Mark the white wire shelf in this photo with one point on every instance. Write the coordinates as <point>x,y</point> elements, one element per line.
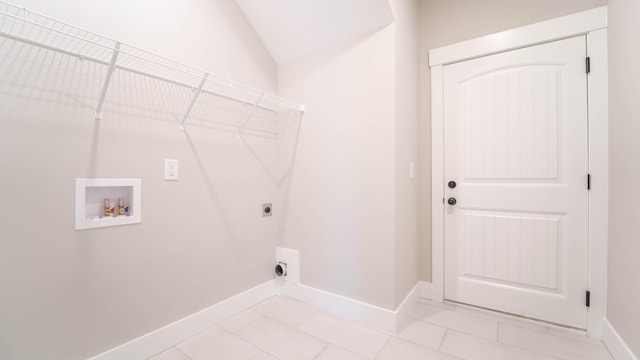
<point>20,24</point>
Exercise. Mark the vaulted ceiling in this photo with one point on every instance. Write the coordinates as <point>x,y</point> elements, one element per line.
<point>294,28</point>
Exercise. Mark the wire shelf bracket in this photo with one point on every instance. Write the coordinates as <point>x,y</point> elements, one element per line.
<point>35,29</point>
<point>107,80</point>
<point>193,101</point>
<point>253,109</point>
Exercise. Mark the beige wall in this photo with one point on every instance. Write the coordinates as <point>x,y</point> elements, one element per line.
<point>352,208</point>
<point>349,206</point>
<point>443,22</point>
<point>340,210</point>
<point>69,294</point>
<point>406,105</point>
<point>623,311</point>
<point>211,35</point>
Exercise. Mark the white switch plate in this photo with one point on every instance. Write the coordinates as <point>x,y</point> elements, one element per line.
<point>412,170</point>
<point>170,169</point>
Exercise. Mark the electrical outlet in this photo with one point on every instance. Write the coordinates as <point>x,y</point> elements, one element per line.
<point>267,209</point>
<point>170,169</point>
<point>291,259</point>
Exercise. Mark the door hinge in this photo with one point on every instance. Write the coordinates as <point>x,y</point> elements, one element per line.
<point>588,181</point>
<point>588,299</point>
<point>588,63</point>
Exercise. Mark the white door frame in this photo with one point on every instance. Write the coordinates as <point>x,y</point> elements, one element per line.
<point>593,24</point>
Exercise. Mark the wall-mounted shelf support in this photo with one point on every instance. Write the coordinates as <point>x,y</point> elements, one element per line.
<point>241,130</point>
<point>193,101</point>
<point>107,80</point>
<point>34,29</point>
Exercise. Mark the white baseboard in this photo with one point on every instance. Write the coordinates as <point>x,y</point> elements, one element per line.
<point>355,310</point>
<point>175,333</point>
<point>342,306</point>
<point>408,304</point>
<point>616,345</point>
<point>427,290</point>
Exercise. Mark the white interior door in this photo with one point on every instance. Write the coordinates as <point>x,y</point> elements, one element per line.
<point>516,146</point>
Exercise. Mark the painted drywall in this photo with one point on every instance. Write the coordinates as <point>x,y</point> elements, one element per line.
<point>351,209</point>
<point>406,105</point>
<point>72,294</point>
<point>340,212</point>
<point>294,28</point>
<point>624,129</point>
<point>211,35</point>
<point>444,22</point>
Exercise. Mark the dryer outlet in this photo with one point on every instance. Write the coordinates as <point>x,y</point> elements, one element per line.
<point>292,259</point>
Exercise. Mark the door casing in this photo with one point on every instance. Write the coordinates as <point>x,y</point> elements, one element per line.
<point>593,24</point>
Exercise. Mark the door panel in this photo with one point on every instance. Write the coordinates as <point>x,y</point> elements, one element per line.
<point>526,146</point>
<point>511,248</point>
<point>516,144</point>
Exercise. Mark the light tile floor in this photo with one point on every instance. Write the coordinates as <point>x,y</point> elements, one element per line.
<point>282,328</point>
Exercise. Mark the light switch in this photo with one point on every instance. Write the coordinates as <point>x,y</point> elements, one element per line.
<point>412,170</point>
<point>170,169</point>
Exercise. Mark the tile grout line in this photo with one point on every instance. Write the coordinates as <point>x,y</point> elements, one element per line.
<point>508,346</point>
<point>352,322</point>
<point>322,350</point>
<point>261,350</point>
<point>297,326</point>
<point>341,348</point>
<point>502,325</point>
<point>460,331</point>
<point>442,342</point>
<point>545,330</point>
<point>366,326</point>
<point>306,319</point>
<point>191,337</point>
<point>182,352</point>
<point>424,346</point>
<point>547,335</point>
<point>527,350</point>
<point>243,327</point>
<point>488,316</point>
<point>292,327</point>
<point>446,332</point>
<point>506,318</point>
<point>491,341</point>
<point>382,348</point>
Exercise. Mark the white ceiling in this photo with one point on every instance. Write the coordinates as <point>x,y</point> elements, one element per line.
<point>293,28</point>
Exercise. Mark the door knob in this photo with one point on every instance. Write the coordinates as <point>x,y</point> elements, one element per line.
<point>452,184</point>
<point>452,201</point>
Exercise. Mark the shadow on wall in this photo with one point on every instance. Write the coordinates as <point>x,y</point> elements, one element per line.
<point>108,286</point>
<point>117,277</point>
<point>57,81</point>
